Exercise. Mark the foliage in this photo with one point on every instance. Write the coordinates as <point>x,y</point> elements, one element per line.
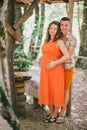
<point>83,51</point>
<point>23,62</point>
<point>3,98</point>
<point>82,63</point>
<point>1,3</point>
<point>14,124</point>
<point>24,65</point>
<point>52,12</point>
<point>7,110</point>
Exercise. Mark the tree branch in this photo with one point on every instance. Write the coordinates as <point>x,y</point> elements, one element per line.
<point>26,15</point>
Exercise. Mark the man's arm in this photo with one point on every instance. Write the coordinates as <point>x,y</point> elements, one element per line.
<point>72,46</point>
<point>71,51</point>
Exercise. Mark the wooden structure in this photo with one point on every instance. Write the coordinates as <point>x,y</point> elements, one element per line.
<point>31,88</point>
<point>25,1</point>
<point>20,78</point>
<point>20,97</point>
<point>12,32</point>
<point>46,1</point>
<point>12,28</point>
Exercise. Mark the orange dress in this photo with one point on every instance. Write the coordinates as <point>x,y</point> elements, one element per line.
<point>51,89</point>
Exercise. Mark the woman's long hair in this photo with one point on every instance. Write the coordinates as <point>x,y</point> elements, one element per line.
<point>58,35</point>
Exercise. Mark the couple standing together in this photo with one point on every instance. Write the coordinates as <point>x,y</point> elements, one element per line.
<point>57,66</point>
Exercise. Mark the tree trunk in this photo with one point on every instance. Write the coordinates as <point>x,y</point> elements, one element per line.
<point>40,30</point>
<point>70,12</point>
<point>26,15</point>
<point>18,14</point>
<point>34,33</point>
<point>41,25</point>
<point>83,44</point>
<point>3,60</point>
<point>70,15</point>
<point>37,34</point>
<point>10,51</point>
<point>81,62</point>
<point>6,110</point>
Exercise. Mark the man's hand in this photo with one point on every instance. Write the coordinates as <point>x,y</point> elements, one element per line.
<point>39,61</point>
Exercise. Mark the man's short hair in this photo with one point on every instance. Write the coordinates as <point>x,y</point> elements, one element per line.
<point>65,19</point>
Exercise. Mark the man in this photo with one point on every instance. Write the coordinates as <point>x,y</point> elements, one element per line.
<point>70,43</point>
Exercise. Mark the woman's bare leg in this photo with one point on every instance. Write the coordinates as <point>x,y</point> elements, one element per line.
<point>51,109</point>
<point>66,102</point>
<point>55,113</point>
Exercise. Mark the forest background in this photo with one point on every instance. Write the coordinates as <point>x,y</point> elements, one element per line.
<point>33,33</point>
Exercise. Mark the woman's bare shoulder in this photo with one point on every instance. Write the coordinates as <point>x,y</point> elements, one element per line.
<point>60,42</point>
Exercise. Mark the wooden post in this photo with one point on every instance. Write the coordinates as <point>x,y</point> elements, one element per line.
<point>25,1</point>
<point>70,12</point>
<point>10,45</point>
<point>70,15</point>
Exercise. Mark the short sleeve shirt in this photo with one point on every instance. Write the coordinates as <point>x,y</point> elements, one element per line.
<point>70,42</point>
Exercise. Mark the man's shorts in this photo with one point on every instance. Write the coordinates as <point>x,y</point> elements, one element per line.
<point>68,77</point>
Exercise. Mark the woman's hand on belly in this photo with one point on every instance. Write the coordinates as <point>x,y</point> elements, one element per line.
<point>51,64</point>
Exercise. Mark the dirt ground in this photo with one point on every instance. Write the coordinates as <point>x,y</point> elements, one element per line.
<point>78,119</point>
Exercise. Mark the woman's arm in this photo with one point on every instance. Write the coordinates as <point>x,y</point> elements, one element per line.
<point>65,56</point>
<point>63,49</point>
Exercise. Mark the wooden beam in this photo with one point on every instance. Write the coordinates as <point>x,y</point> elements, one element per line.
<point>70,15</point>
<point>26,15</point>
<point>46,1</point>
<point>25,1</point>
<point>70,11</point>
<point>12,32</point>
<point>71,7</point>
<point>56,1</point>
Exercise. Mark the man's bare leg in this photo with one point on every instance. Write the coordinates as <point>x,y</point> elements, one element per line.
<point>63,109</point>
